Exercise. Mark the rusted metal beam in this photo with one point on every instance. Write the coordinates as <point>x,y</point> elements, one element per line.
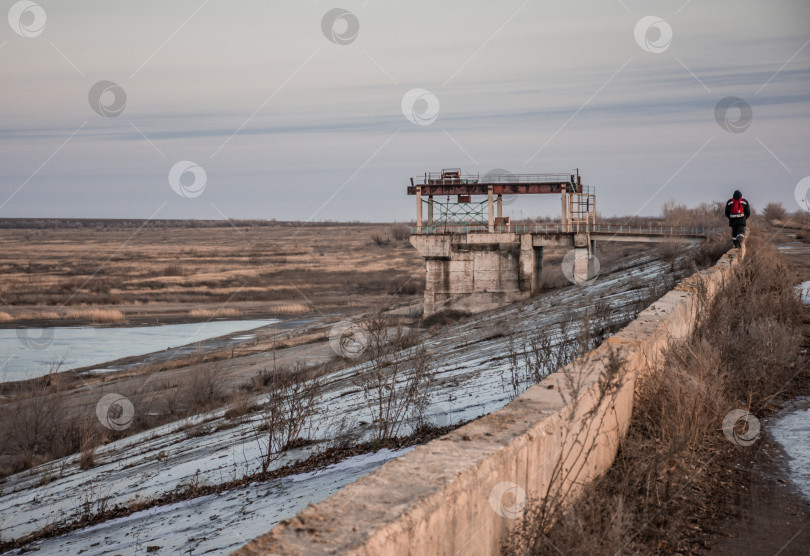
<point>482,188</point>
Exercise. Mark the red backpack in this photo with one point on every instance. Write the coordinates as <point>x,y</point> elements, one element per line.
<point>737,206</point>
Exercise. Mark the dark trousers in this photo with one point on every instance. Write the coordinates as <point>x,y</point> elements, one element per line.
<point>738,235</point>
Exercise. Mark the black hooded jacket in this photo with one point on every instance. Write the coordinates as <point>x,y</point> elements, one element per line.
<point>737,219</point>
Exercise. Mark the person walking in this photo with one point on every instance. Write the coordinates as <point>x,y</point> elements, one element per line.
<point>737,211</point>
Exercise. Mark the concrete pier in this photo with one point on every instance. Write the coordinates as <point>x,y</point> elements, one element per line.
<point>481,271</point>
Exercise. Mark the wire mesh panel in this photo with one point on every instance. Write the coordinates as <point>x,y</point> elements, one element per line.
<point>450,215</point>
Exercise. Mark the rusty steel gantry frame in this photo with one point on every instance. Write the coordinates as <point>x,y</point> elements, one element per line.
<point>578,201</point>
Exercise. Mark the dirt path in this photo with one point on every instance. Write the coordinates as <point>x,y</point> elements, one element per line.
<point>771,516</point>
<point>768,515</point>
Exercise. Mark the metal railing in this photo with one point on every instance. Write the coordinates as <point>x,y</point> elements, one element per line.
<point>674,231</point>
<point>436,178</point>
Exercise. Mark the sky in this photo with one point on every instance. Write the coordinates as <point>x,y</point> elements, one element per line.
<point>315,110</point>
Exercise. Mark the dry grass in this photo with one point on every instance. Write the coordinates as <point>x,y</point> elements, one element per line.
<point>181,269</point>
<point>5,316</point>
<point>95,314</point>
<point>666,485</point>
<point>41,315</point>
<point>291,309</point>
<point>210,313</point>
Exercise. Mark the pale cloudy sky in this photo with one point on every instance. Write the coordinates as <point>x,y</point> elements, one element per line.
<point>287,124</point>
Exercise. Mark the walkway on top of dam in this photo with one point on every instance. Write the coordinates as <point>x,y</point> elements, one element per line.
<point>607,232</point>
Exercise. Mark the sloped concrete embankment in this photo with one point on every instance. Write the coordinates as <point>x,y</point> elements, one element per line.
<point>462,493</point>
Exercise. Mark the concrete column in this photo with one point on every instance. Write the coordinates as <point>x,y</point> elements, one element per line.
<point>430,210</point>
<point>581,264</point>
<point>527,263</point>
<point>531,265</point>
<point>500,205</point>
<point>491,211</point>
<point>564,211</point>
<point>418,209</point>
<point>537,274</point>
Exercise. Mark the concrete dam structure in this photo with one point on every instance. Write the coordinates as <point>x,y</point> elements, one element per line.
<point>465,492</point>
<point>480,271</point>
<point>475,260</point>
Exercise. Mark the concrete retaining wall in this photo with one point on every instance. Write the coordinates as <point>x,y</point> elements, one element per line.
<point>462,493</point>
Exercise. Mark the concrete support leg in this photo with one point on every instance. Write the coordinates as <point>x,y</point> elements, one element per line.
<point>430,210</point>
<point>564,212</point>
<point>527,263</point>
<point>418,210</point>
<point>582,263</point>
<point>491,211</point>
<point>531,265</point>
<point>500,205</point>
<point>537,274</point>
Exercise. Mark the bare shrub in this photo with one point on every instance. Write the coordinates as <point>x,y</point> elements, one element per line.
<point>172,400</point>
<point>709,251</point>
<point>754,322</point>
<point>344,434</point>
<point>243,405</point>
<point>774,212</point>
<point>380,239</point>
<point>705,214</point>
<point>671,250</point>
<point>533,355</point>
<point>400,233</point>
<point>396,376</point>
<point>93,500</point>
<point>406,286</point>
<point>176,270</point>
<point>206,387</point>
<point>291,404</point>
<point>87,460</point>
<point>38,427</point>
<point>442,318</point>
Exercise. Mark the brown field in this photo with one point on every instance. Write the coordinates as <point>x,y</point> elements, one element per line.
<point>129,275</point>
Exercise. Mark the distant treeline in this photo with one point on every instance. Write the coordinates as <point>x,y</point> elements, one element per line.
<point>112,223</point>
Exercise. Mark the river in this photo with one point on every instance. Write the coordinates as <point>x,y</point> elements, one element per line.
<point>32,352</point>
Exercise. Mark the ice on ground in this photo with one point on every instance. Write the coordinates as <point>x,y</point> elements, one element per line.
<point>792,431</point>
<point>217,523</point>
<point>804,292</point>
